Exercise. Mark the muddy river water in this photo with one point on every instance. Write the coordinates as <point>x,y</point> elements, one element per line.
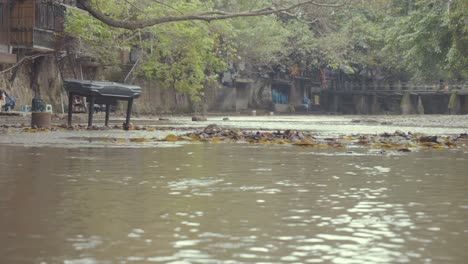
<point>70,201</point>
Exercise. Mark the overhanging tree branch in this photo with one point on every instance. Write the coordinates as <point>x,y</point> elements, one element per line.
<point>202,16</point>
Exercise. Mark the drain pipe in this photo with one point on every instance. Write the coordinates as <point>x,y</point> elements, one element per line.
<point>130,72</point>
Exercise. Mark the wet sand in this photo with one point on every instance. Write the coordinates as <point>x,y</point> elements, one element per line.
<point>429,121</point>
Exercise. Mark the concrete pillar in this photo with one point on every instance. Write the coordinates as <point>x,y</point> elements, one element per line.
<point>420,107</point>
<point>398,86</point>
<point>359,102</point>
<point>374,104</point>
<point>387,86</point>
<point>406,107</point>
<point>335,103</point>
<point>454,105</point>
<point>293,95</point>
<point>463,104</point>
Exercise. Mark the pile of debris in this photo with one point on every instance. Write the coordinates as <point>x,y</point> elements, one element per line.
<point>399,140</point>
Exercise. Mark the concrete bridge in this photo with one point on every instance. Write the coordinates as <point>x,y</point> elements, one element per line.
<point>402,99</point>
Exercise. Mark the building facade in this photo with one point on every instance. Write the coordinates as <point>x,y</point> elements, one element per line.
<point>6,53</point>
<point>29,26</point>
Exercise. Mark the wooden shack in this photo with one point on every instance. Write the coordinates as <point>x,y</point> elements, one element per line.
<point>34,24</point>
<point>6,55</point>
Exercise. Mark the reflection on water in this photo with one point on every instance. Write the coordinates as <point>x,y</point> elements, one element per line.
<point>231,203</point>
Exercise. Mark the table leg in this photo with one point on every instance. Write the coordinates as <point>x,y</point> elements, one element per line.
<point>129,112</point>
<point>107,115</point>
<point>70,108</point>
<point>91,111</point>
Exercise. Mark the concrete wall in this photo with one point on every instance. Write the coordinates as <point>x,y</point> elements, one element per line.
<point>41,77</point>
<point>155,99</point>
<point>243,93</point>
<point>464,104</point>
<point>295,95</point>
<point>260,95</point>
<point>35,78</point>
<point>282,108</point>
<point>436,104</point>
<point>458,104</point>
<point>4,48</point>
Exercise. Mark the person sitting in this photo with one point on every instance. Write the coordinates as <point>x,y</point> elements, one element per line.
<point>38,105</point>
<point>10,102</point>
<point>78,104</point>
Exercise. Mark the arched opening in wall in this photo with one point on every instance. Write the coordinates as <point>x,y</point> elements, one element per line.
<point>242,96</point>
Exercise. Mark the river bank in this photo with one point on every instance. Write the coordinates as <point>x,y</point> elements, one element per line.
<point>425,121</point>
<point>388,133</point>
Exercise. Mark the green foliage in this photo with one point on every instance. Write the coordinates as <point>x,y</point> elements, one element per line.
<point>457,56</point>
<point>93,37</point>
<point>184,56</point>
<point>429,40</point>
<point>421,40</point>
<point>261,40</point>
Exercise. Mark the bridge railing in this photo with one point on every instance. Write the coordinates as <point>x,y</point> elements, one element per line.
<point>396,86</point>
